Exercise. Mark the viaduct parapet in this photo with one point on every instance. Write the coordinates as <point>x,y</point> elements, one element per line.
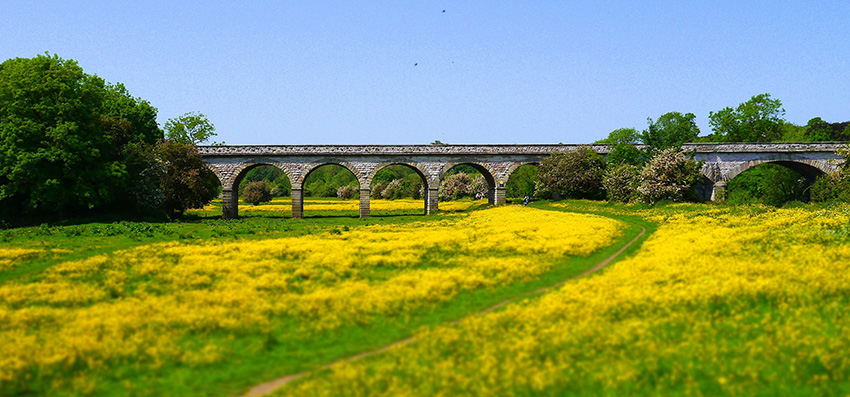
<point>721,163</point>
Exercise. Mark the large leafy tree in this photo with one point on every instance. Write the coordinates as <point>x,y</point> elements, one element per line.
<point>574,174</point>
<point>191,128</point>
<point>63,137</point>
<point>758,120</point>
<point>671,130</point>
<point>185,181</point>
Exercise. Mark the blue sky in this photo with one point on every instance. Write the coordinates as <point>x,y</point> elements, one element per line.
<point>405,72</point>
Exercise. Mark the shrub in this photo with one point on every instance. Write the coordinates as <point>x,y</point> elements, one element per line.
<point>478,186</point>
<point>831,187</point>
<point>667,176</point>
<point>454,186</point>
<point>398,188</point>
<point>460,185</point>
<point>575,174</point>
<point>346,192</point>
<point>378,189</point>
<point>621,181</point>
<point>257,192</point>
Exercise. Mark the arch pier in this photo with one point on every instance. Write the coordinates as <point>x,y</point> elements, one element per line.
<point>721,163</point>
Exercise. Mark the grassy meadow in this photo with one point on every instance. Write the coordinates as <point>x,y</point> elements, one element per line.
<point>713,299</point>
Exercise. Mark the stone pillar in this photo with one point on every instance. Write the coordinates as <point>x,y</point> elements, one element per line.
<point>432,201</point>
<point>719,191</point>
<point>297,203</point>
<point>499,196</point>
<point>364,202</point>
<point>229,204</point>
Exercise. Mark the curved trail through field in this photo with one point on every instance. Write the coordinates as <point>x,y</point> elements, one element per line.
<point>270,386</point>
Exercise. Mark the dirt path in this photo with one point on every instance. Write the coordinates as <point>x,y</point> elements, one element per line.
<point>268,387</point>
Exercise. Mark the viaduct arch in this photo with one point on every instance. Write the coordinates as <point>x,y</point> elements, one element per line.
<point>721,163</point>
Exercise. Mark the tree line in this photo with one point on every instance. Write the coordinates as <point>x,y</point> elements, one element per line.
<point>72,144</point>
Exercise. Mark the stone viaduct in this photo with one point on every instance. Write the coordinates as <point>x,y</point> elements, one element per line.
<point>721,163</point>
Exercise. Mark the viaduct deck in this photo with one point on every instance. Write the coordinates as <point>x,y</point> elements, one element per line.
<point>721,163</point>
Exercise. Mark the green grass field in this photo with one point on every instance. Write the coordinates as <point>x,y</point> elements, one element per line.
<point>711,300</point>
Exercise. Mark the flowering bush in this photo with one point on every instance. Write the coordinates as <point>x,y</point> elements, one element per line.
<point>668,176</point>
<point>257,192</point>
<point>460,185</point>
<point>346,192</point>
<point>621,181</point>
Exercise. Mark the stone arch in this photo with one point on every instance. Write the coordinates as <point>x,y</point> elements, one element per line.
<point>489,175</point>
<point>484,168</point>
<point>515,166</point>
<point>243,169</point>
<point>230,184</point>
<point>414,166</point>
<point>809,169</point>
<point>428,185</point>
<point>309,168</point>
<point>219,173</point>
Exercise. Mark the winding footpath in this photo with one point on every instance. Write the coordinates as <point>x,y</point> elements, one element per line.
<point>271,386</point>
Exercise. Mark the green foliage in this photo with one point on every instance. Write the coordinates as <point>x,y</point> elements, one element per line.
<point>670,175</point>
<point>770,184</point>
<point>186,182</point>
<point>191,128</point>
<point>278,181</point>
<point>521,182</point>
<point>758,120</point>
<point>324,181</point>
<point>626,153</point>
<point>621,181</point>
<point>834,187</point>
<point>397,181</point>
<point>574,174</point>
<point>64,137</point>
<point>621,135</point>
<point>257,192</point>
<point>819,130</point>
<point>671,130</point>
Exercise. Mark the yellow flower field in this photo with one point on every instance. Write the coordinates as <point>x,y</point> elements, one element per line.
<point>719,300</point>
<point>140,305</point>
<point>283,204</point>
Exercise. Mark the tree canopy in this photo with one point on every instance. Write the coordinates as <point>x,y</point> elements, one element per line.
<point>671,130</point>
<point>64,136</point>
<point>758,120</point>
<point>192,128</point>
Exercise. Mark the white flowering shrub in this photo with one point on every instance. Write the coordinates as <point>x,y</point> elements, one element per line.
<point>621,182</point>
<point>669,175</point>
<point>346,192</point>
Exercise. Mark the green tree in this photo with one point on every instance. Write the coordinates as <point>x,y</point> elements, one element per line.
<point>521,181</point>
<point>758,120</point>
<point>770,184</point>
<point>191,128</point>
<point>574,174</point>
<point>257,192</point>
<point>63,135</point>
<point>671,130</point>
<point>621,135</point>
<point>185,181</point>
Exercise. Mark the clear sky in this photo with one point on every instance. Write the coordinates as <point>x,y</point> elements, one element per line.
<point>407,72</point>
